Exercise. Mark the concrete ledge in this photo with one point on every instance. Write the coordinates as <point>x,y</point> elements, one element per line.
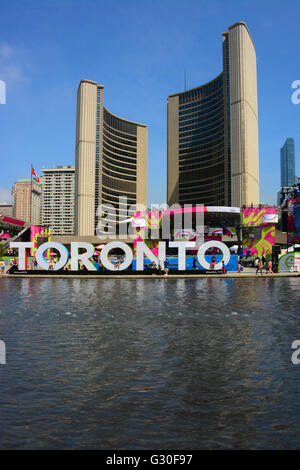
<point>155,276</point>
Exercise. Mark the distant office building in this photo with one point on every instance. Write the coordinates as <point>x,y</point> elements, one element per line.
<point>6,209</point>
<point>213,132</point>
<point>287,163</point>
<point>111,160</point>
<point>278,198</point>
<point>26,200</point>
<point>58,199</point>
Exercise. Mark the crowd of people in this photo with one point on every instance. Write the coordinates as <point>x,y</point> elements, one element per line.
<point>261,263</point>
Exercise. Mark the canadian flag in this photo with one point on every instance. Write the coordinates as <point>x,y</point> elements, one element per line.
<point>33,173</point>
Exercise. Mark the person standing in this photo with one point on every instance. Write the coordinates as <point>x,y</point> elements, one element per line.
<point>2,266</point>
<point>213,262</point>
<point>223,268</point>
<point>269,267</point>
<point>259,267</point>
<point>160,267</point>
<point>194,263</point>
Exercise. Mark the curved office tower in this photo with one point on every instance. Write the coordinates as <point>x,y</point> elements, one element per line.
<point>213,132</point>
<point>111,162</point>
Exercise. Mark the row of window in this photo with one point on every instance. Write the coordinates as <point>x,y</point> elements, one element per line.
<point>206,151</point>
<point>120,134</point>
<point>204,110</point>
<point>119,146</point>
<point>202,117</point>
<point>118,139</point>
<point>207,188</point>
<point>122,210</point>
<point>116,193</point>
<point>116,147</point>
<point>129,199</point>
<point>215,124</point>
<point>187,152</point>
<point>200,163</point>
<point>195,184</point>
<point>119,124</point>
<point>118,158</point>
<point>202,92</point>
<point>118,164</point>
<point>124,171</point>
<point>117,175</point>
<point>190,107</point>
<point>211,136</point>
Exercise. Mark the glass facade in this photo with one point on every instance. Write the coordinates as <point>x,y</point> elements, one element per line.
<point>201,127</point>
<point>287,163</point>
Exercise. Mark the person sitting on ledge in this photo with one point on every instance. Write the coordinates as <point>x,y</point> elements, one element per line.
<point>213,262</point>
<point>153,268</point>
<point>194,263</point>
<point>223,268</point>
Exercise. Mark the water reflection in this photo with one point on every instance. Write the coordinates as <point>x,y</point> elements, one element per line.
<point>149,363</point>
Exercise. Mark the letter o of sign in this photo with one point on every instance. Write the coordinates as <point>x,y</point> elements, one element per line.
<point>64,255</point>
<point>213,244</point>
<point>107,248</point>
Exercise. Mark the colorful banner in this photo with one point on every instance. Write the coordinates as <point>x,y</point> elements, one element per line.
<point>259,216</point>
<point>261,246</point>
<point>290,215</point>
<point>39,235</point>
<point>146,222</point>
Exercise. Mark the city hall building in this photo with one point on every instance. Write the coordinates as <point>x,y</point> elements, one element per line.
<point>111,161</point>
<point>213,132</point>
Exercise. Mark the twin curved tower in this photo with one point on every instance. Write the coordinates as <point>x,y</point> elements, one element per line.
<point>213,132</point>
<point>212,143</point>
<point>110,162</point>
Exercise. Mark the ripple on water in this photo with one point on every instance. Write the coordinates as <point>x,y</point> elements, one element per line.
<point>185,364</point>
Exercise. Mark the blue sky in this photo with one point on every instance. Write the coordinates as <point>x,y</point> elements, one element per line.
<point>138,49</point>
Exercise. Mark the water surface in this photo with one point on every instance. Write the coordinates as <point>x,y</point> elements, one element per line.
<point>149,364</point>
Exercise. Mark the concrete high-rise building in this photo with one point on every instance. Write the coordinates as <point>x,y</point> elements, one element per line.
<point>58,199</point>
<point>213,132</point>
<point>26,200</point>
<point>111,160</point>
<point>287,163</point>
<point>6,209</point>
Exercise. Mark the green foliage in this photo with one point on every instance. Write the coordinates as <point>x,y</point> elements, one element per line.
<point>3,250</point>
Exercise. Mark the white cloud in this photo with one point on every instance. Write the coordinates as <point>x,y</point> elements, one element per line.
<point>10,73</point>
<point>12,63</point>
<point>5,50</point>
<point>5,195</point>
